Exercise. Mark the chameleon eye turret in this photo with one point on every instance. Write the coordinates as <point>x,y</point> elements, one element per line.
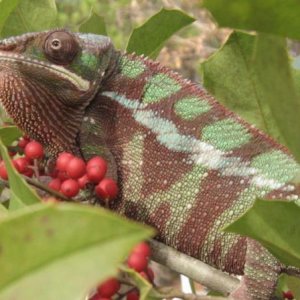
<point>46,81</point>
<point>60,47</point>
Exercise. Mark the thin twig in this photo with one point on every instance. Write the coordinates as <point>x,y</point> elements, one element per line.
<point>40,186</point>
<point>169,292</point>
<point>210,277</point>
<point>36,169</point>
<point>45,188</point>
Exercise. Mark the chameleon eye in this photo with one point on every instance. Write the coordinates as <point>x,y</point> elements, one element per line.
<point>60,47</point>
<point>55,44</point>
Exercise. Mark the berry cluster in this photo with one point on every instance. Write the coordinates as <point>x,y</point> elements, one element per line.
<point>71,173</point>
<point>137,260</point>
<point>24,164</point>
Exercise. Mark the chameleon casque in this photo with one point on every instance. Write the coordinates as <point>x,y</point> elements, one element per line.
<point>184,164</point>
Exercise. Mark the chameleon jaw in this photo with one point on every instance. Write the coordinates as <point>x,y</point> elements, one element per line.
<point>80,83</point>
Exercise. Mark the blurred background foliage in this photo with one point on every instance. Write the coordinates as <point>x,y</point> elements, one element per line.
<point>182,52</point>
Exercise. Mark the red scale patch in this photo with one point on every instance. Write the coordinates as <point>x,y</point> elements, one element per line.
<point>158,219</point>
<point>235,258</point>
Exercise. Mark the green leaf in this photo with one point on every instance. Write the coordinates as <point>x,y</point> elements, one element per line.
<point>6,7</point>
<point>64,249</point>
<point>234,60</point>
<point>31,15</point>
<point>277,88</point>
<point>149,38</point>
<point>265,93</point>
<point>147,292</point>
<point>94,24</point>
<point>270,16</point>
<point>296,62</point>
<point>293,284</point>
<point>9,134</point>
<point>275,224</point>
<point>296,77</point>
<point>3,210</point>
<point>21,193</point>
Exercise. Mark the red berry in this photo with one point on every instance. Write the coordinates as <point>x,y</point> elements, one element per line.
<point>97,161</point>
<point>62,175</point>
<point>75,168</point>
<point>62,160</point>
<point>70,188</point>
<point>21,164</point>
<point>95,173</point>
<point>133,295</point>
<point>288,295</point>
<point>109,287</point>
<point>107,189</point>
<point>22,143</point>
<point>28,172</point>
<point>34,150</point>
<point>137,261</point>
<point>142,248</point>
<point>54,173</point>
<point>55,184</point>
<point>3,171</point>
<point>83,181</point>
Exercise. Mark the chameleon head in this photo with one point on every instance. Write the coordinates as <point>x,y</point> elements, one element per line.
<point>48,78</point>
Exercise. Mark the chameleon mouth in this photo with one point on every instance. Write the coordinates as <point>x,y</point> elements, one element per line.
<point>79,82</point>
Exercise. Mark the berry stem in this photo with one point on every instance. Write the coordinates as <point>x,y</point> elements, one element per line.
<point>36,169</point>
<point>45,188</point>
<point>40,186</point>
<point>106,203</point>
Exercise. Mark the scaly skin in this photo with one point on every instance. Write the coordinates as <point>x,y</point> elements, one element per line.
<point>185,164</point>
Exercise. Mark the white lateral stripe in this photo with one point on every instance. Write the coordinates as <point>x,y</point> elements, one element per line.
<point>200,152</point>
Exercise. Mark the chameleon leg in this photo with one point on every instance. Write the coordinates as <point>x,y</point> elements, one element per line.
<point>261,272</point>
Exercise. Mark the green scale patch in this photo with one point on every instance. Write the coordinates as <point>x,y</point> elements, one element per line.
<point>131,68</point>
<point>132,157</point>
<point>89,60</point>
<point>226,134</point>
<point>191,107</point>
<point>284,170</point>
<point>159,87</point>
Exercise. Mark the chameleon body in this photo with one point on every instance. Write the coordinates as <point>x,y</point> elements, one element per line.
<point>184,164</point>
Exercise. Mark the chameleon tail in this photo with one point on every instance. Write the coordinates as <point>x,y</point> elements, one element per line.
<point>261,273</point>
<point>293,271</point>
